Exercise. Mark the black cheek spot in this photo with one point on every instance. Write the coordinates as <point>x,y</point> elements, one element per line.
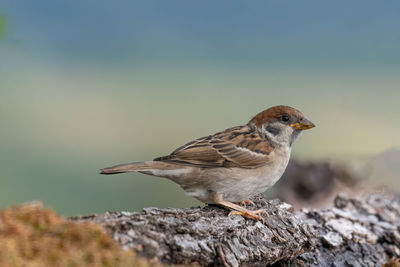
<point>274,131</point>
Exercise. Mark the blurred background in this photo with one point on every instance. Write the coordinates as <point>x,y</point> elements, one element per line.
<point>89,84</point>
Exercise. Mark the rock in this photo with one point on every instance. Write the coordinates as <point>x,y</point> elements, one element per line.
<point>352,233</point>
<point>208,235</point>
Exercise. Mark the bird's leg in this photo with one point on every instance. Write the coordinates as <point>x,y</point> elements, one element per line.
<point>236,209</point>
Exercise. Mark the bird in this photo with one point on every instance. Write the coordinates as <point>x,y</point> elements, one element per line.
<point>229,167</point>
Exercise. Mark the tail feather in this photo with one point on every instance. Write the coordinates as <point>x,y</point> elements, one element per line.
<point>129,167</point>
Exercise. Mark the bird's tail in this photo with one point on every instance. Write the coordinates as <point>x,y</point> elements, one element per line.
<point>130,167</point>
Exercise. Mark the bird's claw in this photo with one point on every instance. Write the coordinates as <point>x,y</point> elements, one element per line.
<point>249,214</point>
<point>246,202</point>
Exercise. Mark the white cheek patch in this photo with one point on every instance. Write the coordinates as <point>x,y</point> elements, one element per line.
<point>287,131</point>
<point>284,135</point>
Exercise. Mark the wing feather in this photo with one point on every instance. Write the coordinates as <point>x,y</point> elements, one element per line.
<point>235,147</point>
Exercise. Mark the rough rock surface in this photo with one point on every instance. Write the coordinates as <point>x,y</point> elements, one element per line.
<point>352,233</point>
<point>208,236</point>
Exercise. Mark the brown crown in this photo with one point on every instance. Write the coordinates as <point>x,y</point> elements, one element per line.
<point>275,113</point>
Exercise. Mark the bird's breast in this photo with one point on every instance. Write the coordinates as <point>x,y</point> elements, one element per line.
<point>279,161</point>
<point>260,179</point>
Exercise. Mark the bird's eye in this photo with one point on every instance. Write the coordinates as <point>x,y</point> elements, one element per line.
<point>285,117</point>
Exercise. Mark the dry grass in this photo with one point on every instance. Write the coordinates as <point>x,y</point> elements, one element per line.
<point>393,262</point>
<point>33,236</point>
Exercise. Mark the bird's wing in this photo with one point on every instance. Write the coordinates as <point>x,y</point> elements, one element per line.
<point>235,147</point>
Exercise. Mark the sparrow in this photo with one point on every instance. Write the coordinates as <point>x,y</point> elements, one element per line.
<point>231,166</point>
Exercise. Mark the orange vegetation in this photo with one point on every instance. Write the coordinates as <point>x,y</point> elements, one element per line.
<point>33,236</point>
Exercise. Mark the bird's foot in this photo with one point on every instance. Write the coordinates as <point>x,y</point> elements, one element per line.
<point>249,214</point>
<point>246,202</point>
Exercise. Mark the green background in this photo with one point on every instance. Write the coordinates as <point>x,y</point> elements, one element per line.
<point>89,84</point>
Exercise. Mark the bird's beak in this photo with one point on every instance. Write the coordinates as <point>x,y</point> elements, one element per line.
<point>304,124</point>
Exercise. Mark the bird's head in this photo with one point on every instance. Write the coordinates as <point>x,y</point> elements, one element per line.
<point>281,125</point>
